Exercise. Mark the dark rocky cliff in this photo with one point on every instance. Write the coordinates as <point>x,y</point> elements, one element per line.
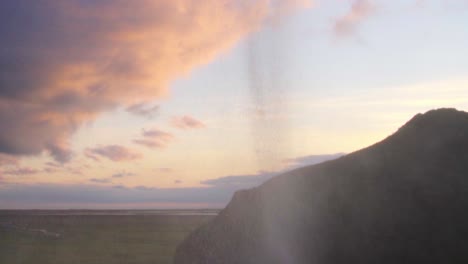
<point>403,200</point>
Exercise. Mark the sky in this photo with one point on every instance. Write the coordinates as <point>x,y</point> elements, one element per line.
<point>179,103</point>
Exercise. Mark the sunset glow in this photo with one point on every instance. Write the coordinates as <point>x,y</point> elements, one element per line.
<point>178,103</point>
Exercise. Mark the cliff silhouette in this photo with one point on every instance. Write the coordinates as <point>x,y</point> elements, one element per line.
<point>402,200</point>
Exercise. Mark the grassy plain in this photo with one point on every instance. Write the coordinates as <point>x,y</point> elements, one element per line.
<point>93,239</point>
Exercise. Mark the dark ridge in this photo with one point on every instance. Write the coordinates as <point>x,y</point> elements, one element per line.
<point>402,200</point>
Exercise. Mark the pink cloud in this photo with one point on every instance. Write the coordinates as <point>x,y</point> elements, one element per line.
<point>346,25</point>
<point>6,160</point>
<point>186,122</point>
<point>149,143</point>
<point>143,110</point>
<point>53,164</point>
<point>158,134</point>
<point>50,170</point>
<point>97,56</point>
<point>155,138</point>
<point>112,152</point>
<point>21,171</point>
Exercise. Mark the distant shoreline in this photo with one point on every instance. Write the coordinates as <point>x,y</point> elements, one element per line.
<point>111,212</point>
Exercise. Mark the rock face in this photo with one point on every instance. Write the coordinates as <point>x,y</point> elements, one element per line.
<point>402,200</point>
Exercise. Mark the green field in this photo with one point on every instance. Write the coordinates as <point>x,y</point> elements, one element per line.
<point>93,239</point>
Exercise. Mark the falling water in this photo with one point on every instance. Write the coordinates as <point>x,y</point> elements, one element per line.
<point>266,69</point>
<point>267,66</point>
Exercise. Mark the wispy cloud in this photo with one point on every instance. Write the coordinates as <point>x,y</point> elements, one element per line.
<point>360,10</point>
<point>21,171</point>
<point>122,174</point>
<point>96,180</point>
<point>215,193</point>
<point>310,160</point>
<point>149,143</point>
<point>154,138</point>
<point>252,180</point>
<point>112,152</point>
<point>53,164</point>
<point>143,110</point>
<point>7,160</point>
<point>50,170</point>
<point>240,181</point>
<point>186,122</point>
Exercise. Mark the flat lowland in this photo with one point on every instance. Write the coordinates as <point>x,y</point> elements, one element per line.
<point>95,237</point>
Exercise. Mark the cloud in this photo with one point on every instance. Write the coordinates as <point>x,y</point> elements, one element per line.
<point>76,171</point>
<point>155,138</point>
<point>8,160</point>
<point>143,110</point>
<point>252,180</point>
<point>21,171</point>
<point>122,174</point>
<point>310,160</point>
<point>186,122</point>
<point>144,188</point>
<point>62,63</point>
<point>346,25</point>
<point>240,181</point>
<point>61,154</point>
<point>156,133</point>
<point>149,143</point>
<point>53,164</point>
<point>112,152</point>
<point>215,193</point>
<point>95,180</point>
<point>50,170</point>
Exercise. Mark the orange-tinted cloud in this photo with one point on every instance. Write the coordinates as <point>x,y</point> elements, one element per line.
<point>186,122</point>
<point>112,152</point>
<point>346,25</point>
<point>62,63</point>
